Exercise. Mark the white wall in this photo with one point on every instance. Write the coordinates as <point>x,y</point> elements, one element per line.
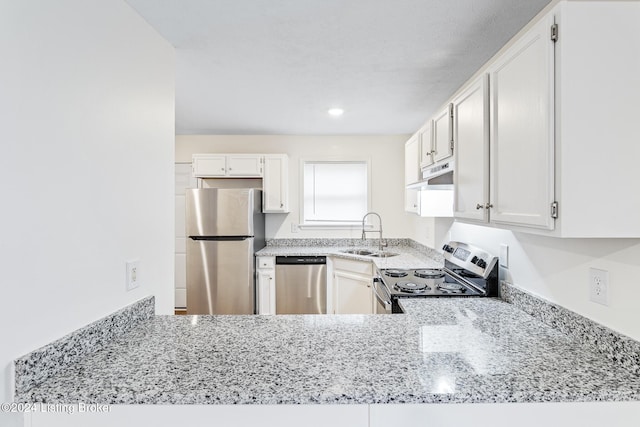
<point>86,168</point>
<point>387,166</point>
<point>558,270</point>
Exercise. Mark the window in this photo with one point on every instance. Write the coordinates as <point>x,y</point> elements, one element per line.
<point>335,193</point>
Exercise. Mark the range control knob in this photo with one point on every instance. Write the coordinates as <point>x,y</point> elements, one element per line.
<point>474,260</point>
<point>481,263</point>
<point>448,249</point>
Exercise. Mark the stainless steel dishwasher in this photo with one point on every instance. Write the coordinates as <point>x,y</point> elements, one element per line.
<point>301,285</point>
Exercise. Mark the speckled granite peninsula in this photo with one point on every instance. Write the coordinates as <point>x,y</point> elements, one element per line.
<point>440,351</point>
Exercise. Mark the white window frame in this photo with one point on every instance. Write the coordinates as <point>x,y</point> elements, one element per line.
<point>331,226</point>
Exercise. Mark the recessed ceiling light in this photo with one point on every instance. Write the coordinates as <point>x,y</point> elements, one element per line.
<point>335,112</point>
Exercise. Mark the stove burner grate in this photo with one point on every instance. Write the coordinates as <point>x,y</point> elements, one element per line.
<point>430,273</point>
<point>451,287</point>
<point>395,273</point>
<point>412,287</point>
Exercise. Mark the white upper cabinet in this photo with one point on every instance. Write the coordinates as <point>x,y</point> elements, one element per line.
<point>273,168</point>
<point>522,140</point>
<point>412,160</point>
<point>412,200</point>
<point>276,183</point>
<point>563,112</point>
<point>426,145</point>
<point>412,173</point>
<point>227,165</point>
<point>244,165</point>
<point>442,134</point>
<point>471,137</point>
<point>597,110</point>
<point>209,165</point>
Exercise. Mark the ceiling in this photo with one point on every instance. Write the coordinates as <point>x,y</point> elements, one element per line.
<point>277,66</point>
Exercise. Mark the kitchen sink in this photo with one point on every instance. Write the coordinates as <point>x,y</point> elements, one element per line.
<point>384,254</point>
<point>362,252</point>
<point>365,252</point>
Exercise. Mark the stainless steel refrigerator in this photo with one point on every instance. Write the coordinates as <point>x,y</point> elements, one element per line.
<point>225,227</point>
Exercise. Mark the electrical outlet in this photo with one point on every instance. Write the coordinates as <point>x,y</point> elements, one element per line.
<point>599,286</point>
<point>294,228</point>
<point>133,274</point>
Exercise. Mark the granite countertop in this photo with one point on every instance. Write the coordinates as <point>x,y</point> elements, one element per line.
<point>442,350</point>
<point>408,257</point>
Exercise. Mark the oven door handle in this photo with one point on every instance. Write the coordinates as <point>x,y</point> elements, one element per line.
<point>385,303</point>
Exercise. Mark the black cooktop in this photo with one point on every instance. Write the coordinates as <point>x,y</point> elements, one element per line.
<point>446,282</point>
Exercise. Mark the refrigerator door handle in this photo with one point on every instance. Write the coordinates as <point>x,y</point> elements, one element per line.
<point>221,238</point>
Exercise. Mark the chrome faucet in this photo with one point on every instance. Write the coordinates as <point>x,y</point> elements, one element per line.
<point>381,243</point>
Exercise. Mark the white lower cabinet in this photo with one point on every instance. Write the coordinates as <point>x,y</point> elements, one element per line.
<point>206,416</point>
<point>265,285</point>
<point>583,414</point>
<point>351,287</point>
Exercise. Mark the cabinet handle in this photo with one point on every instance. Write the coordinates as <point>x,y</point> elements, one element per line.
<point>488,206</point>
<point>229,168</point>
<point>281,205</point>
<point>479,206</point>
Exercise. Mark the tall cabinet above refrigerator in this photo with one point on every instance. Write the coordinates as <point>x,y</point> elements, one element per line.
<point>225,227</point>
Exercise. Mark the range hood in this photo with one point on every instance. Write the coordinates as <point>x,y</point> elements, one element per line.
<point>439,177</point>
<point>435,190</point>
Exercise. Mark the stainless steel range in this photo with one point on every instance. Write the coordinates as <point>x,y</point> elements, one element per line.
<point>468,272</point>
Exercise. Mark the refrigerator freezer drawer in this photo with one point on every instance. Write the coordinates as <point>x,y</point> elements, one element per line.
<point>223,212</point>
<point>220,276</point>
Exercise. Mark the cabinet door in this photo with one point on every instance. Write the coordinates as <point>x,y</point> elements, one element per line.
<point>522,140</point>
<point>352,293</point>
<point>266,291</point>
<point>412,200</point>
<point>276,184</point>
<point>244,165</point>
<point>426,145</point>
<point>209,165</point>
<point>442,137</point>
<point>471,136</point>
<point>412,160</point>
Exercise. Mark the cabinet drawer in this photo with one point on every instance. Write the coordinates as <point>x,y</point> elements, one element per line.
<point>358,267</point>
<point>266,262</point>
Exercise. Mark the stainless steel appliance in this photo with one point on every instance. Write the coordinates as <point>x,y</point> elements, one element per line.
<point>225,227</point>
<point>468,272</point>
<point>301,285</point>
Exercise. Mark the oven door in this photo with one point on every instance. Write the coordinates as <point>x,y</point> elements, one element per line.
<point>382,299</point>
